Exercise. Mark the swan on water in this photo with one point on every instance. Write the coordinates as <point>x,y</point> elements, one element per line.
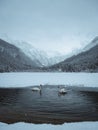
<point>62,90</point>
<point>37,88</point>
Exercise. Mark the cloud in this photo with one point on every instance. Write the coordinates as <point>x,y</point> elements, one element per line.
<point>50,24</point>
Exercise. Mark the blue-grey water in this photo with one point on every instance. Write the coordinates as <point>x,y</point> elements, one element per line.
<point>48,106</point>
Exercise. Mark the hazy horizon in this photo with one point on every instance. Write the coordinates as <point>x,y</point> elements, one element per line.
<point>50,25</point>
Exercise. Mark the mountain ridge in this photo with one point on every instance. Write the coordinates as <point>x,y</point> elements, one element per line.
<point>93,43</point>
<point>13,59</point>
<point>85,61</point>
<point>39,55</point>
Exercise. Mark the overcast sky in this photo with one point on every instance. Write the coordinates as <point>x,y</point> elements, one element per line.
<point>59,25</point>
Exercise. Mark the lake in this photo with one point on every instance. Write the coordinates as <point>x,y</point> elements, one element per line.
<point>18,103</point>
<point>24,105</point>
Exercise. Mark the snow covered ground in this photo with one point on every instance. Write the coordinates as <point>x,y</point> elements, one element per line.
<point>66,126</point>
<point>22,79</point>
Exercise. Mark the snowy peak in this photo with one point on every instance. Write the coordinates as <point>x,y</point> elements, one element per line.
<point>44,58</point>
<point>33,53</point>
<point>93,43</point>
<point>86,60</point>
<point>13,59</point>
<point>95,40</point>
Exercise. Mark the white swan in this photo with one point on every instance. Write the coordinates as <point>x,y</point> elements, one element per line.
<point>62,90</point>
<point>37,88</point>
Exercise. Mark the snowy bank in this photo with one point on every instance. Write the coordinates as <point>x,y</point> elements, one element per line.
<point>66,126</point>
<point>22,79</point>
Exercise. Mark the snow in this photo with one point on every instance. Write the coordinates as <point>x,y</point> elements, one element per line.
<point>39,55</point>
<point>93,43</point>
<point>45,58</point>
<point>66,126</point>
<point>22,79</point>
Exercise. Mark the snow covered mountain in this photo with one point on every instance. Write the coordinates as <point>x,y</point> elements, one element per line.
<point>49,58</point>
<point>13,59</point>
<point>93,43</point>
<point>39,55</point>
<point>86,60</point>
<point>32,52</point>
<point>29,55</point>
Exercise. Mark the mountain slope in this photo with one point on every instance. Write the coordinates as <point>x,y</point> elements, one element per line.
<point>39,55</point>
<point>85,61</point>
<point>13,59</point>
<point>93,43</point>
<point>33,53</point>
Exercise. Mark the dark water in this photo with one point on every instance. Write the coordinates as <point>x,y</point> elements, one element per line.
<point>24,105</point>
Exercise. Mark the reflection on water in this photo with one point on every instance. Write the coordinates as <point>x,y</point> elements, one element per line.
<point>23,104</point>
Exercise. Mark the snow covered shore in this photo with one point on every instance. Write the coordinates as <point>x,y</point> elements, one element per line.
<point>66,126</point>
<point>22,79</point>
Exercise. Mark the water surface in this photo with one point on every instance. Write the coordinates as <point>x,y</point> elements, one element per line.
<point>48,106</point>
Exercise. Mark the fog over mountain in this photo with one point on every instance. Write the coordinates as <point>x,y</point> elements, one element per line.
<point>50,25</point>
<point>13,59</point>
<point>93,43</point>
<point>86,60</point>
<point>22,56</point>
<point>44,57</point>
